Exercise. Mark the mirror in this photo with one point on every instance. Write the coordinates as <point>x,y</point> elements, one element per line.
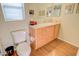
<point>57,9</point>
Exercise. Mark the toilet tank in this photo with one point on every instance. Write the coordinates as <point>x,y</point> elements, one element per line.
<point>19,36</point>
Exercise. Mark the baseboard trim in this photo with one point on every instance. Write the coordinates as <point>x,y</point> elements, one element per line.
<point>68,42</point>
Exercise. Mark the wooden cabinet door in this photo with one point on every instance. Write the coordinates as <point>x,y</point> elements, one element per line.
<point>32,32</point>
<point>44,35</point>
<point>57,27</point>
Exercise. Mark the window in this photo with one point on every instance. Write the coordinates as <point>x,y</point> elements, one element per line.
<point>13,11</point>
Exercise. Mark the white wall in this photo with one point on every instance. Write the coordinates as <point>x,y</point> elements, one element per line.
<point>7,27</point>
<point>70,27</point>
<point>1,49</point>
<point>70,30</point>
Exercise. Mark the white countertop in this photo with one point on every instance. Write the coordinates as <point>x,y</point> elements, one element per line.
<point>43,25</point>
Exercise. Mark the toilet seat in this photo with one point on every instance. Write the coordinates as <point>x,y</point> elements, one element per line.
<point>23,49</point>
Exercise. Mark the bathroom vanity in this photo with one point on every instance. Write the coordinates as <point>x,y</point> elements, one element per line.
<point>41,34</point>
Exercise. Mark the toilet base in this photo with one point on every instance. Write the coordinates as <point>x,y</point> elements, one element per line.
<point>23,49</point>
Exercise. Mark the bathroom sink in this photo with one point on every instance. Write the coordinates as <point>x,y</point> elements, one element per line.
<point>43,25</point>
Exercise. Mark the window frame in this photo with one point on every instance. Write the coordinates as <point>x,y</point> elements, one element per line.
<point>5,18</point>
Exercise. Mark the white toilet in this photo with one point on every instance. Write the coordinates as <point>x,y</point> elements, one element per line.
<point>22,43</point>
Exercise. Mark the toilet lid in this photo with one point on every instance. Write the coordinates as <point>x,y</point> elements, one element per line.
<point>23,49</point>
